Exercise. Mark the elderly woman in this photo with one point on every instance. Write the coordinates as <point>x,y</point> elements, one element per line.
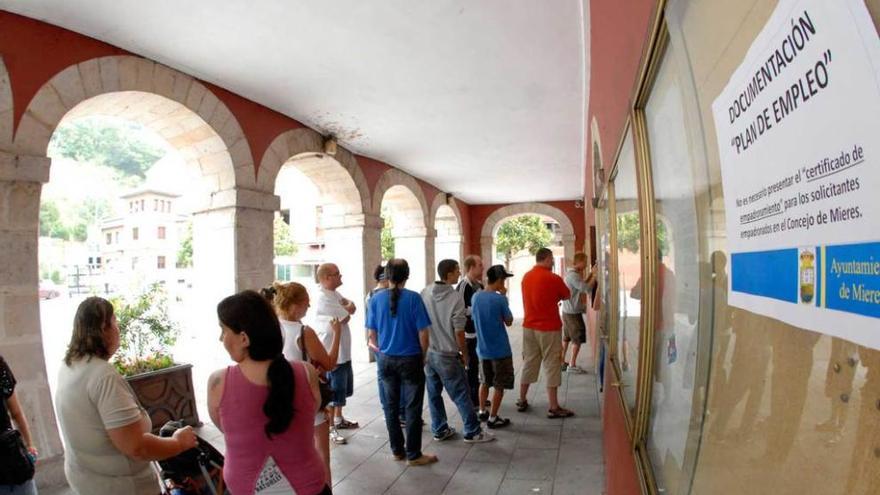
<point>265,405</point>
<point>16,468</point>
<point>106,432</point>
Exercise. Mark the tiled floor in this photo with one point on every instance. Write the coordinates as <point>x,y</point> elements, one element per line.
<point>534,455</point>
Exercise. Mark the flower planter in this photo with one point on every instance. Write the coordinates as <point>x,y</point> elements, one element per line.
<point>167,395</point>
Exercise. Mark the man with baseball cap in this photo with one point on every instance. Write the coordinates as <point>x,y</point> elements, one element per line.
<point>491,313</point>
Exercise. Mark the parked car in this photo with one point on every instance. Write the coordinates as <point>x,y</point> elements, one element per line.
<point>48,290</point>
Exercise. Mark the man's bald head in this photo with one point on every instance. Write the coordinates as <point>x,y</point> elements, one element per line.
<point>328,276</point>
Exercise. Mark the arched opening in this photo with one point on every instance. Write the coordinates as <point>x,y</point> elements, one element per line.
<point>402,211</point>
<point>562,242</point>
<point>321,210</point>
<point>189,119</point>
<point>141,225</point>
<point>448,243</point>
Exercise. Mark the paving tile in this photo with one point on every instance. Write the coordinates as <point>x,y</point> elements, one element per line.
<point>499,451</point>
<point>533,464</point>
<point>476,478</point>
<point>360,487</point>
<point>525,487</point>
<point>540,437</point>
<point>421,480</point>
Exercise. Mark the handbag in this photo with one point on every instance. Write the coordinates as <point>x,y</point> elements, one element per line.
<point>16,465</point>
<point>323,386</point>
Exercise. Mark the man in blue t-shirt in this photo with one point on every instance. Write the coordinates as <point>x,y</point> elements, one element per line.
<point>399,324</point>
<point>491,313</point>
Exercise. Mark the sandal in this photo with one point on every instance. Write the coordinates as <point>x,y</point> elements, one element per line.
<point>498,422</point>
<point>522,405</point>
<point>347,425</point>
<point>559,413</point>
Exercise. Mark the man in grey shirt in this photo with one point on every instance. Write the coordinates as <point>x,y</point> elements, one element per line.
<point>574,329</point>
<point>447,355</point>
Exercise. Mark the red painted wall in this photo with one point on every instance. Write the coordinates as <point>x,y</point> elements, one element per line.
<point>621,476</point>
<point>619,33</point>
<point>479,214</point>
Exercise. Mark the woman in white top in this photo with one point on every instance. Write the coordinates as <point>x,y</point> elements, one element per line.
<point>291,302</point>
<point>106,432</point>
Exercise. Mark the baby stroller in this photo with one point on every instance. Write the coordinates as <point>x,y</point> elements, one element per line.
<point>198,471</point>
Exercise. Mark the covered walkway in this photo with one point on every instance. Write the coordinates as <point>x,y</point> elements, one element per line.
<point>533,455</point>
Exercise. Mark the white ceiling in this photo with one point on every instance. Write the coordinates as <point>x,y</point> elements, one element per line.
<point>484,99</point>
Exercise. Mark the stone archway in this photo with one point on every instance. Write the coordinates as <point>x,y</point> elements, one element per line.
<point>487,240</point>
<point>413,225</point>
<point>194,121</point>
<point>447,224</point>
<point>6,111</point>
<point>347,224</point>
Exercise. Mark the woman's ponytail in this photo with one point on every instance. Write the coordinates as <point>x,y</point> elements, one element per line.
<point>250,312</point>
<point>279,404</point>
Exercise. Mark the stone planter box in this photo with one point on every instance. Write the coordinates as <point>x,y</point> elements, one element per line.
<point>167,395</point>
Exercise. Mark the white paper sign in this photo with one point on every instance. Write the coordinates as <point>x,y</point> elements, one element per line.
<point>798,128</point>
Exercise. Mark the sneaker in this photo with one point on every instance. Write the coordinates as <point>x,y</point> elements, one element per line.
<point>577,370</point>
<point>336,437</point>
<point>498,422</point>
<point>481,437</point>
<point>483,416</point>
<point>446,434</point>
<point>423,460</point>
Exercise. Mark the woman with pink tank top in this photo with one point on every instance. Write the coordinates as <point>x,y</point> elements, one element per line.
<point>265,405</point>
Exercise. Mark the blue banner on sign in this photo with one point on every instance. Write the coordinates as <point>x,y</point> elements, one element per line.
<point>772,274</point>
<point>852,278</point>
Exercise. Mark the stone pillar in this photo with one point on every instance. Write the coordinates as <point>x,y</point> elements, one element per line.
<point>21,342</point>
<point>487,245</point>
<point>448,247</point>
<point>352,242</point>
<point>233,243</point>
<point>416,246</point>
<point>568,248</point>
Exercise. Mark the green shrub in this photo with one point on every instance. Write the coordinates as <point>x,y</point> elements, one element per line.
<point>146,332</point>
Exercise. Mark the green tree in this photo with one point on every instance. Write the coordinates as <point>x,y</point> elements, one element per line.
<point>387,237</point>
<point>629,235</point>
<point>50,221</point>
<point>284,245</point>
<point>525,232</point>
<point>185,251</point>
<point>111,143</point>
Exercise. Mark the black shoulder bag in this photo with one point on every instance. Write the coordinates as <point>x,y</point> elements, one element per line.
<point>16,466</point>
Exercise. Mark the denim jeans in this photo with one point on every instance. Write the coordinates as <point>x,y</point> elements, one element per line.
<point>447,371</point>
<point>473,372</point>
<point>27,488</point>
<point>402,375</point>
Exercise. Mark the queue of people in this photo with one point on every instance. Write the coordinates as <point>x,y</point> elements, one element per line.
<point>281,403</point>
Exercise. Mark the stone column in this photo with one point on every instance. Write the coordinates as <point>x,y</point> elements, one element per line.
<point>416,246</point>
<point>352,242</point>
<point>21,342</point>
<point>568,248</point>
<point>448,247</point>
<point>233,243</point>
<point>487,244</point>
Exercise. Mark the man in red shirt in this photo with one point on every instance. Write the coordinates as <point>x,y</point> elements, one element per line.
<point>542,331</point>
